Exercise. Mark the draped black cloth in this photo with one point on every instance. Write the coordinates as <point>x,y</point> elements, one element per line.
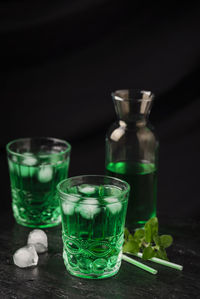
<point>60,60</point>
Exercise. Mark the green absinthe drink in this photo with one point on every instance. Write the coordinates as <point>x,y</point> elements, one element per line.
<point>142,178</point>
<point>36,166</point>
<point>93,210</point>
<point>132,153</point>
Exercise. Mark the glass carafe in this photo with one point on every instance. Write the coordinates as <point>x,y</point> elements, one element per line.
<point>132,153</point>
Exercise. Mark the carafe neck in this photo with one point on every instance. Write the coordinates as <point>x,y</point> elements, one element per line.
<point>133,106</point>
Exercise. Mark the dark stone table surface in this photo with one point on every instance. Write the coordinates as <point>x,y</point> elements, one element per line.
<point>49,279</point>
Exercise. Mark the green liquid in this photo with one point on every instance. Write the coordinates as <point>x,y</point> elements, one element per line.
<point>33,191</point>
<point>93,234</point>
<point>142,178</point>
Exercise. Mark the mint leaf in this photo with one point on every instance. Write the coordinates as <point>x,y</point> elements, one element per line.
<point>148,253</point>
<point>166,240</point>
<point>151,229</point>
<point>126,233</point>
<point>147,241</point>
<point>131,238</point>
<point>147,232</point>
<point>131,246</point>
<point>156,240</point>
<point>161,254</point>
<point>139,233</point>
<point>154,226</point>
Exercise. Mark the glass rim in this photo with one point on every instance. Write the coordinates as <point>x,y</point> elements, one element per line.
<point>67,150</point>
<point>123,192</point>
<point>147,93</point>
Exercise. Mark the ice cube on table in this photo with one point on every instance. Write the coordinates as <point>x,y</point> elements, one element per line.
<point>38,239</point>
<point>88,208</point>
<point>25,257</point>
<point>87,189</point>
<point>114,206</point>
<point>45,173</point>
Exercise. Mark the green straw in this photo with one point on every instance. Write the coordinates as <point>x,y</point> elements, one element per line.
<point>138,264</point>
<point>162,262</point>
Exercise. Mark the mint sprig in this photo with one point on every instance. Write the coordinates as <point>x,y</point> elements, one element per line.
<point>147,241</point>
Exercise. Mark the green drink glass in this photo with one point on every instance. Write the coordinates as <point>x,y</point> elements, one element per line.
<point>36,166</point>
<point>93,211</point>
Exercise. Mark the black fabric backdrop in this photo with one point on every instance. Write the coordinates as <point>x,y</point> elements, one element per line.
<point>60,60</point>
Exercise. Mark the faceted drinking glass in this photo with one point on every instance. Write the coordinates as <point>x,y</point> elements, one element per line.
<point>36,166</point>
<point>93,210</point>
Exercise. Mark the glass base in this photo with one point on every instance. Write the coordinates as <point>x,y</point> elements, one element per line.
<point>37,225</point>
<point>84,268</point>
<point>92,275</point>
<point>34,219</point>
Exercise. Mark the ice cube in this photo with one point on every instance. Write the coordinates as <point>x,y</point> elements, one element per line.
<point>87,189</point>
<point>45,173</point>
<point>25,257</point>
<point>73,198</point>
<point>55,158</point>
<point>29,159</point>
<point>38,239</point>
<point>69,204</point>
<point>68,208</point>
<point>90,201</point>
<point>14,158</point>
<point>111,191</point>
<point>10,164</point>
<point>114,206</point>
<point>88,208</point>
